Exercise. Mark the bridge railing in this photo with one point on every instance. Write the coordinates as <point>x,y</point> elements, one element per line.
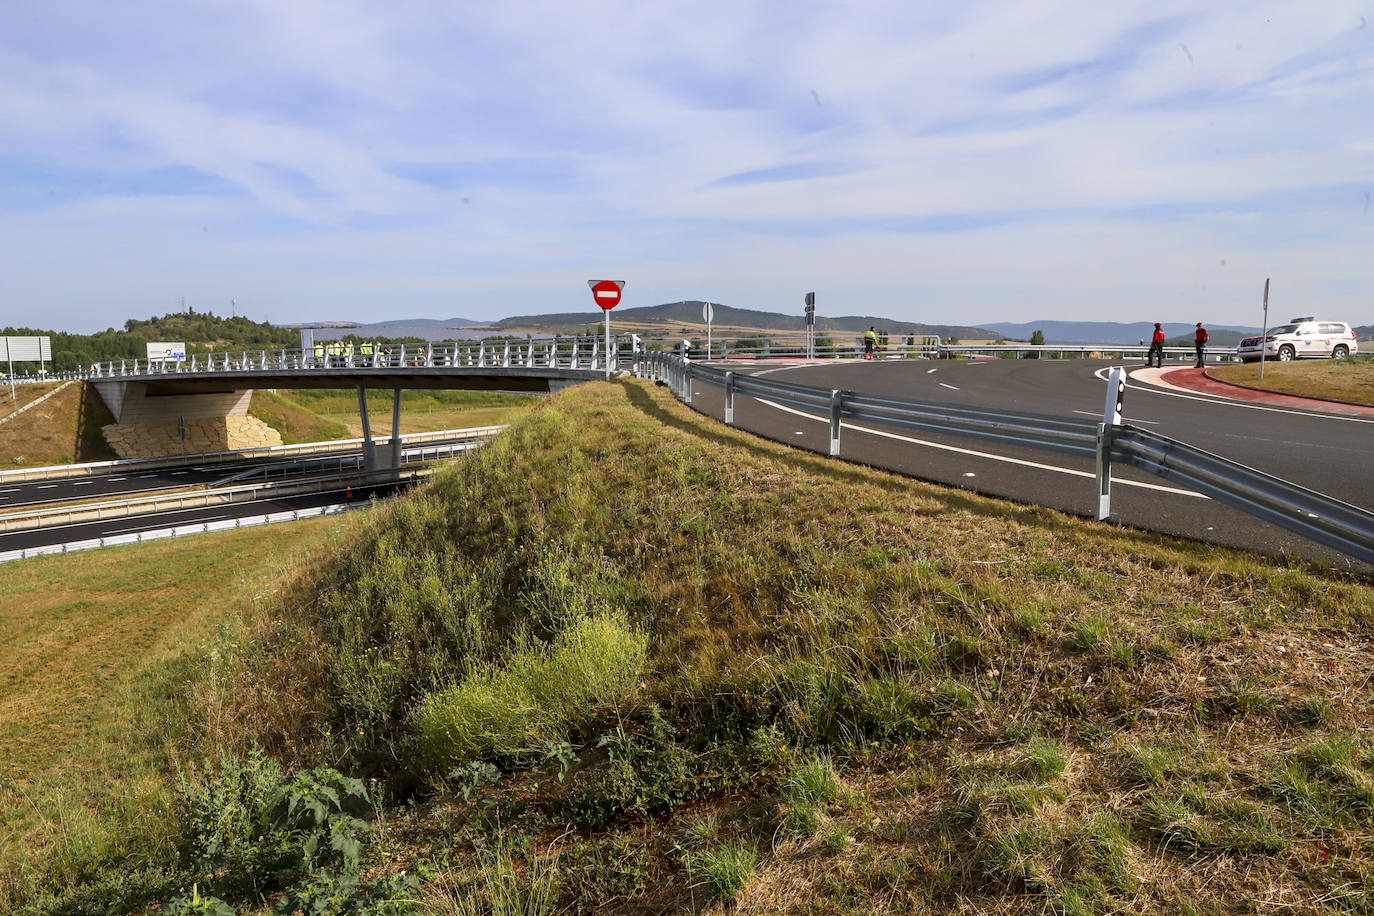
<point>589,352</point>
<point>1321,518</point>
<point>558,353</point>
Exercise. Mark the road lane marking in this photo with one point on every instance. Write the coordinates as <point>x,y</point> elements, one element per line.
<point>928,371</point>
<point>951,387</point>
<point>113,479</point>
<point>12,490</point>
<point>83,483</point>
<point>46,486</point>
<point>1116,481</point>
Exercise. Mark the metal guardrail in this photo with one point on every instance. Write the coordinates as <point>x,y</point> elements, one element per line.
<point>1321,518</point>
<point>49,517</point>
<point>91,468</point>
<point>158,534</point>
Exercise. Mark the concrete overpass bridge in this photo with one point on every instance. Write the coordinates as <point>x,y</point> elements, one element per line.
<point>201,404</point>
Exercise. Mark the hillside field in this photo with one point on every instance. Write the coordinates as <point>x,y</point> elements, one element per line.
<point>625,659</point>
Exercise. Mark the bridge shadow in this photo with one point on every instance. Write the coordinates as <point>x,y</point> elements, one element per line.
<point>950,497</point>
<point>91,416</point>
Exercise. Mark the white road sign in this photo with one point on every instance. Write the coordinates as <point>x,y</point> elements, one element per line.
<point>173,352</point>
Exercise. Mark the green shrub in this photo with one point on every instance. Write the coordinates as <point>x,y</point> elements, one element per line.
<point>642,774</point>
<point>227,810</point>
<point>535,697</point>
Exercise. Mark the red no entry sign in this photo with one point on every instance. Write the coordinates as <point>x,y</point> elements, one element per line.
<point>606,292</point>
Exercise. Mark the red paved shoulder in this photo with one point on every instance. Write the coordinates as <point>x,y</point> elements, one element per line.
<point>1198,380</point>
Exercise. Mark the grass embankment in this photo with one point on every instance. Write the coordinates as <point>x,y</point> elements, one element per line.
<point>295,423</point>
<point>629,660</point>
<point>1339,379</point>
<point>62,430</point>
<point>97,647</point>
<point>421,410</point>
<point>23,394</point>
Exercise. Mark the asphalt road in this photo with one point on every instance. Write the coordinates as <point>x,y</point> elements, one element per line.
<point>114,526</point>
<point>1323,452</point>
<point>132,481</point>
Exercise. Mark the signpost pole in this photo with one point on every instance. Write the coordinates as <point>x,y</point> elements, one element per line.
<point>608,344</point>
<point>1265,333</point>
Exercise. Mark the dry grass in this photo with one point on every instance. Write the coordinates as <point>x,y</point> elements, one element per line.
<point>1033,713</point>
<point>62,430</point>
<point>1341,380</point>
<point>96,644</point>
<point>23,394</point>
<point>1025,713</point>
<point>421,411</point>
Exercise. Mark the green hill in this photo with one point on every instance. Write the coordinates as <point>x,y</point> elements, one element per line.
<point>674,315</point>
<point>201,332</point>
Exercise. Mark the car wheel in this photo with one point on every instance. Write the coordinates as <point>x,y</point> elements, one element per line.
<point>1340,352</point>
<point>1285,354</point>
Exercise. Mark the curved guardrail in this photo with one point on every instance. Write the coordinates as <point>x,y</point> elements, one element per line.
<point>1316,516</point>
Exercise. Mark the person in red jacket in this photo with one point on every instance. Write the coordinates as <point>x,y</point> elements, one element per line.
<point>1156,347</point>
<point>1200,344</point>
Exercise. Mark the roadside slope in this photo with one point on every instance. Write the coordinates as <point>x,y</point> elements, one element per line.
<point>859,687</point>
<point>63,429</point>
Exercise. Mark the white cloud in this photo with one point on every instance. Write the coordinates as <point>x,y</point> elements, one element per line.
<point>1089,156</point>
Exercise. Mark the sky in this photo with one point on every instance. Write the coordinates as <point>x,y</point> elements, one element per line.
<point>946,163</point>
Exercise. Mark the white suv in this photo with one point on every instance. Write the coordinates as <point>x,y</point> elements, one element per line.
<point>1303,337</point>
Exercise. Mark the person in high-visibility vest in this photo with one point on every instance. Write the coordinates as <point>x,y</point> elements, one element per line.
<point>319,355</point>
<point>365,352</point>
<point>348,353</point>
<point>870,341</point>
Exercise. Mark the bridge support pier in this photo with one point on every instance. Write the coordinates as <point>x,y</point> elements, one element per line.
<point>369,449</point>
<point>374,458</point>
<point>396,428</point>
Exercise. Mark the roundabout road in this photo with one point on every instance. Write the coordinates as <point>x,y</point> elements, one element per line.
<point>1322,451</point>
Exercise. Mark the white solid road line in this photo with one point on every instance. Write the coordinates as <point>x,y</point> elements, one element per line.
<point>1116,481</point>
<point>951,387</point>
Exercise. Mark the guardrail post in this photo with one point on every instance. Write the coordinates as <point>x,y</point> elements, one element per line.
<point>1111,417</point>
<point>730,399</point>
<point>836,407</point>
<point>687,384</point>
<point>1104,472</point>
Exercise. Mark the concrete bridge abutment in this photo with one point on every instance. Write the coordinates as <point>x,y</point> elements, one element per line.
<point>153,424</point>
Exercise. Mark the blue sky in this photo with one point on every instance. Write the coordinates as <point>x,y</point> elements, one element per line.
<point>946,163</point>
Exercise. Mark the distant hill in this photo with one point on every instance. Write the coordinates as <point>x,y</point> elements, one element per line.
<point>1112,332</point>
<point>200,331</point>
<point>685,318</point>
<point>1364,331</point>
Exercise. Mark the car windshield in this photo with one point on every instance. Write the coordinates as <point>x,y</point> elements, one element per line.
<point>1284,329</point>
